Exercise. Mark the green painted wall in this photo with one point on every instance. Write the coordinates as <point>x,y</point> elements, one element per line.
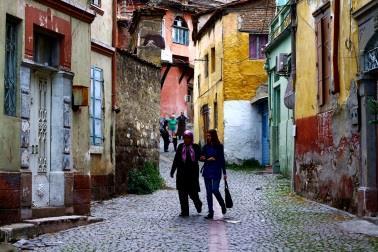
<point>281,149</point>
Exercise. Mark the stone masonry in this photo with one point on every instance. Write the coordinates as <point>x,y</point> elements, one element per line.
<point>137,124</point>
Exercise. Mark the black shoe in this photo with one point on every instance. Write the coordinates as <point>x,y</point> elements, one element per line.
<point>184,215</point>
<point>210,216</point>
<point>199,208</point>
<point>224,210</point>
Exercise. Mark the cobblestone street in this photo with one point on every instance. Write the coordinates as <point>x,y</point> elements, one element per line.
<point>264,218</point>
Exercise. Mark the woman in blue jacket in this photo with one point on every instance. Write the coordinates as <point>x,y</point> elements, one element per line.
<point>213,156</point>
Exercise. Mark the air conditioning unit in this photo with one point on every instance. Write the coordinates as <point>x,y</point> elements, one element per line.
<point>188,98</point>
<point>283,64</point>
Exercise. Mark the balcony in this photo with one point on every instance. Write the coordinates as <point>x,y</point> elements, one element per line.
<point>280,23</point>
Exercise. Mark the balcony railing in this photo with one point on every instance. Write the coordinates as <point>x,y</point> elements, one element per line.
<point>371,60</point>
<point>278,30</point>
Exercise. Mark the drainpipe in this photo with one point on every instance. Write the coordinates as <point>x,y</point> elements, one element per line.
<point>114,66</point>
<point>293,10</point>
<point>335,56</point>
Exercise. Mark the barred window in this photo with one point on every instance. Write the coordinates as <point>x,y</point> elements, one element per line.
<point>10,71</point>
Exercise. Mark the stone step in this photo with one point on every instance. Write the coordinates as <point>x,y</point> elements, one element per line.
<point>34,227</point>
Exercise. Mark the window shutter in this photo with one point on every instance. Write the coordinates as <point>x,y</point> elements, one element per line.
<point>319,60</point>
<point>252,46</point>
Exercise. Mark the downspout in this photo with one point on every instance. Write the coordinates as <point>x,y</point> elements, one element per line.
<point>293,10</point>
<point>114,66</point>
<point>335,56</point>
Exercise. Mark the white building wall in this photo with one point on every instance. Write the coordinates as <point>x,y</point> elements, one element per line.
<point>242,131</point>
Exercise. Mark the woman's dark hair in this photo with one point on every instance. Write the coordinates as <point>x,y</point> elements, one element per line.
<point>214,137</point>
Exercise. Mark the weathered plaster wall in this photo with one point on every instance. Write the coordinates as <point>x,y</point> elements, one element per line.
<point>173,93</point>
<point>10,129</point>
<point>102,161</point>
<point>174,48</point>
<point>242,131</point>
<point>242,76</point>
<point>101,27</point>
<point>137,125</point>
<point>209,89</point>
<point>81,57</point>
<point>327,141</point>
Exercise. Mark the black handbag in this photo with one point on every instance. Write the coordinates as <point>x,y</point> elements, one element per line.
<point>227,195</point>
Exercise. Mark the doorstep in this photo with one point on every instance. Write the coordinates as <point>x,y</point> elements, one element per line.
<point>32,228</point>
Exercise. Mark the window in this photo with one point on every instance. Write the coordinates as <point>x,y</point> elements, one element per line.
<point>46,49</point>
<point>213,59</point>
<point>323,55</point>
<point>180,31</point>
<point>257,43</point>
<point>10,71</point>
<point>96,2</point>
<point>215,115</point>
<point>205,116</point>
<point>206,63</point>
<point>95,109</point>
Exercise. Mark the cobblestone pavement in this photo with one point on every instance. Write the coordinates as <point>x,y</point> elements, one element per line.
<point>270,220</point>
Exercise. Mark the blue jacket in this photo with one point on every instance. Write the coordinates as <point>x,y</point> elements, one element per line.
<point>213,169</point>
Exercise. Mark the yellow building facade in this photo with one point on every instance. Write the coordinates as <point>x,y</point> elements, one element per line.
<point>330,107</point>
<point>225,80</point>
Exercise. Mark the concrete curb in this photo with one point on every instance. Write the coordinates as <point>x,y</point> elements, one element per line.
<point>30,229</point>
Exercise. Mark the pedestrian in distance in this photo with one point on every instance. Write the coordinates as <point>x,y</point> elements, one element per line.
<point>213,156</point>
<point>165,134</point>
<point>174,141</point>
<point>187,177</point>
<point>181,122</point>
<point>172,124</point>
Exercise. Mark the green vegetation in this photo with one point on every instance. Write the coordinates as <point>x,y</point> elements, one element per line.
<point>247,165</point>
<point>145,180</point>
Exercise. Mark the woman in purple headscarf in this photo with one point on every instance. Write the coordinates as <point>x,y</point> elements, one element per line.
<point>187,178</point>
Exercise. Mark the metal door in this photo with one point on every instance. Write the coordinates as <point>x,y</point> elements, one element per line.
<point>265,133</point>
<point>40,111</point>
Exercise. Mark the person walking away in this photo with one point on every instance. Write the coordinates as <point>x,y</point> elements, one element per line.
<point>181,120</point>
<point>213,156</point>
<point>187,177</point>
<point>172,125</point>
<point>165,135</point>
<point>174,141</point>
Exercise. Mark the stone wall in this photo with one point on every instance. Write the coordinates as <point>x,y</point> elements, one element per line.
<point>137,124</point>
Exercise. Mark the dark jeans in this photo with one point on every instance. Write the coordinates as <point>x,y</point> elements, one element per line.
<point>166,143</point>
<point>184,201</point>
<point>212,187</point>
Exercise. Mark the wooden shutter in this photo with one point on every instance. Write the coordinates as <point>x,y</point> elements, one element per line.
<point>327,56</point>
<point>319,60</point>
<point>252,46</point>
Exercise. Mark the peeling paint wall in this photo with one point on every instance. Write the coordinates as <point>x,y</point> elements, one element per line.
<point>327,140</point>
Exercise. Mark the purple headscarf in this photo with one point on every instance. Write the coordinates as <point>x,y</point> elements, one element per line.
<point>189,148</point>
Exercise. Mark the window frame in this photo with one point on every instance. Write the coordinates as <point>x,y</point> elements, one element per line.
<point>10,75</point>
<point>213,60</point>
<point>96,3</point>
<point>180,33</point>
<point>206,65</point>
<point>92,109</point>
<point>258,46</point>
<point>323,56</point>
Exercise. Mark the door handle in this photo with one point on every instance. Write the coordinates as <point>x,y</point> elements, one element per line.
<point>36,149</point>
<point>32,147</point>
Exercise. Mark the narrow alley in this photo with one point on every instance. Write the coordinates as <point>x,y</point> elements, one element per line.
<point>265,217</point>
